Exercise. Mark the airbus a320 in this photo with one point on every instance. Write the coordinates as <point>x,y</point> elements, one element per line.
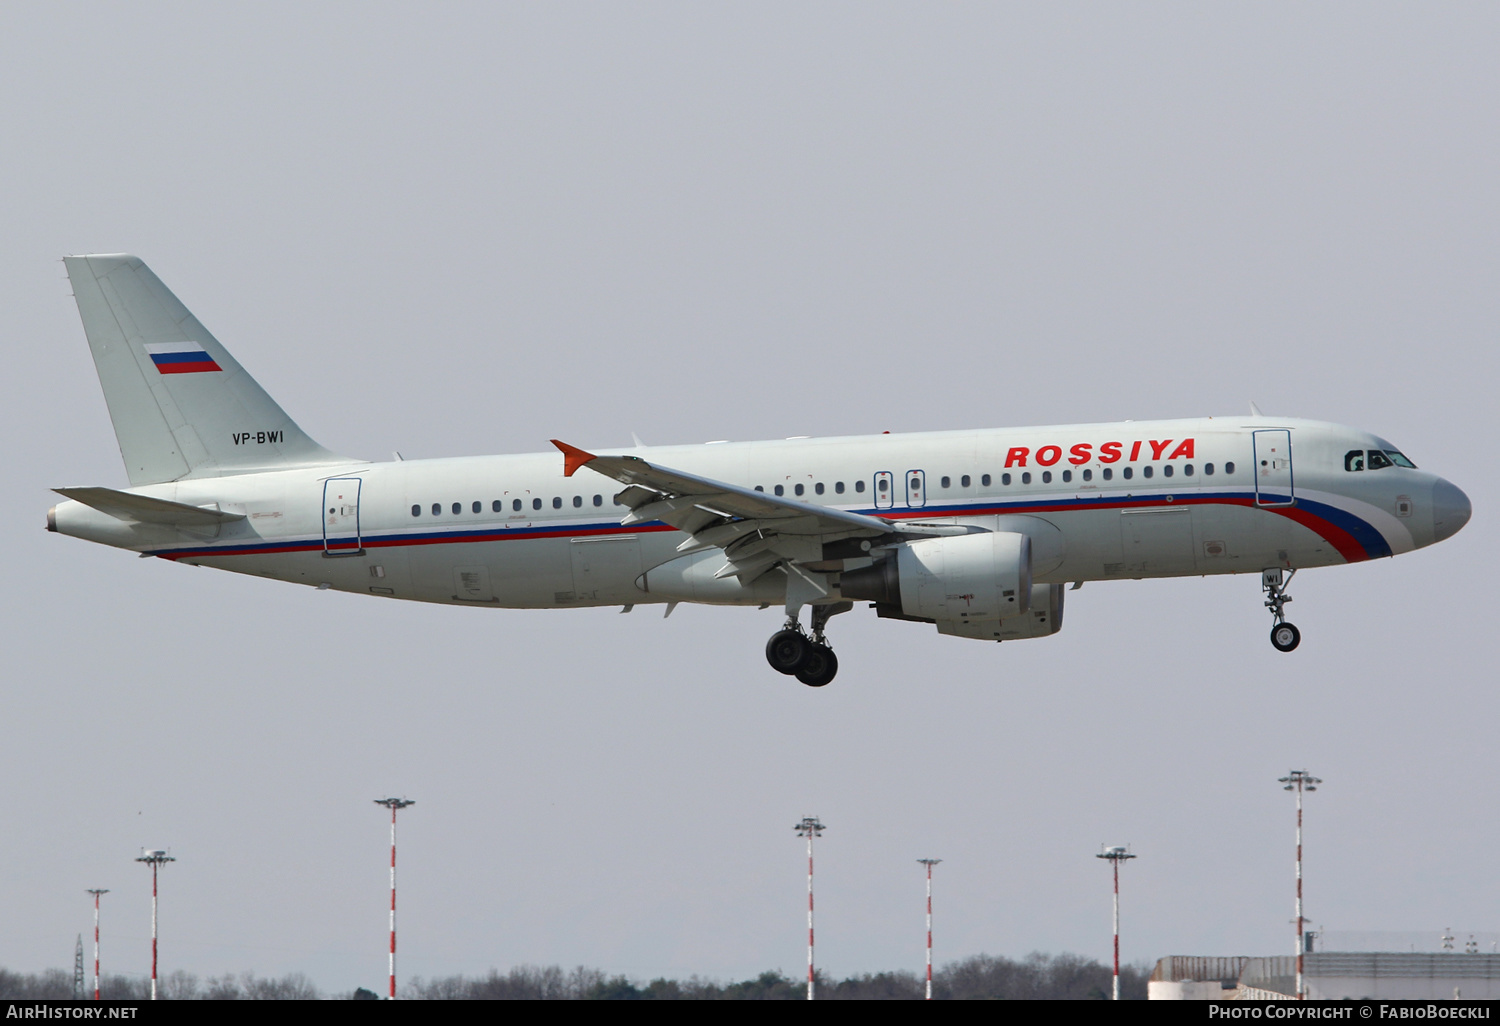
<point>977,532</point>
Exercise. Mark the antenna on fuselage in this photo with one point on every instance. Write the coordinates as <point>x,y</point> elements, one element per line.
<point>1255,410</point>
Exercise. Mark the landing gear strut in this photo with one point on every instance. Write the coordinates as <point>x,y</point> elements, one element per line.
<point>809,659</point>
<point>1284,636</point>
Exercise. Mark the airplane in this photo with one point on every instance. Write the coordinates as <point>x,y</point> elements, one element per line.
<point>978,532</point>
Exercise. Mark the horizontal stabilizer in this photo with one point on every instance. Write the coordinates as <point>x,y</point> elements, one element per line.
<point>143,509</point>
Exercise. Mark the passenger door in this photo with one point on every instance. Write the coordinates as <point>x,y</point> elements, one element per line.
<point>341,535</point>
<point>1273,468</point>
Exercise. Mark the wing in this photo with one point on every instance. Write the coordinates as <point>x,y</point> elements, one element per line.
<point>755,530</point>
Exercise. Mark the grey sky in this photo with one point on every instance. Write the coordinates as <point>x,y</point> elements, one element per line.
<point>470,228</point>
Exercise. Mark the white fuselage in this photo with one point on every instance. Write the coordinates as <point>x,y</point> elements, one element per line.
<point>1098,501</point>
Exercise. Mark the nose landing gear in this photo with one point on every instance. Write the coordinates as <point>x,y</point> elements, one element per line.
<point>1284,636</point>
<point>809,659</point>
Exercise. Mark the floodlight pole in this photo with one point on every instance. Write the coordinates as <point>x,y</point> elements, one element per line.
<point>96,894</point>
<point>155,858</point>
<point>929,863</point>
<point>1116,855</point>
<point>809,828</point>
<point>393,804</point>
<point>1299,781</point>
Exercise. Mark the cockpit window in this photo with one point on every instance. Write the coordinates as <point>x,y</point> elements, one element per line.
<point>1400,460</point>
<point>1378,460</point>
<point>1354,459</point>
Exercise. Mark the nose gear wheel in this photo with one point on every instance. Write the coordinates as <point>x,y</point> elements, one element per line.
<point>1284,636</point>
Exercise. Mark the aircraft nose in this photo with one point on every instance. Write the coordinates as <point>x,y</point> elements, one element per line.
<point>1450,510</point>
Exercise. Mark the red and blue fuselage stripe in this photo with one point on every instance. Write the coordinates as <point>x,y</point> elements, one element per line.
<point>1352,537</point>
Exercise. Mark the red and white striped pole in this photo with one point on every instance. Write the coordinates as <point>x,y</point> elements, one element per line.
<point>1116,855</point>
<point>929,863</point>
<point>393,804</point>
<point>809,828</point>
<point>96,894</point>
<point>155,859</point>
<point>1116,988</point>
<point>1299,780</point>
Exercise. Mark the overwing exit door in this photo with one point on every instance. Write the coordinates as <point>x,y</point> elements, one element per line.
<point>916,488</point>
<point>1273,468</point>
<point>341,517</point>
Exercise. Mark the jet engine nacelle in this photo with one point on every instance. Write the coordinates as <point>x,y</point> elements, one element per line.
<point>973,577</point>
<point>1043,618</point>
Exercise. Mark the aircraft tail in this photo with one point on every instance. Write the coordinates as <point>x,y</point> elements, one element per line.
<point>182,407</point>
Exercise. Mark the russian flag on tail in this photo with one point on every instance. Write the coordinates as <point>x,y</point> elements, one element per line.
<point>181,357</point>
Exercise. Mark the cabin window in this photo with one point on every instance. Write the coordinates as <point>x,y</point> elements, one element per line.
<point>1229,468</point>
<point>598,500</point>
<point>859,486</point>
<point>1088,475</point>
<point>1166,471</point>
<point>760,488</point>
<point>780,490</point>
<point>477,507</point>
<point>536,503</point>
<point>985,480</point>
<point>1354,460</point>
<point>1026,477</point>
<point>884,485</point>
<point>1067,475</point>
<point>1187,470</point>
<point>1128,473</point>
<point>515,504</point>
<point>1109,473</point>
<point>577,501</point>
<point>458,508</point>
<point>838,486</point>
<point>1208,469</point>
<point>947,482</point>
<point>557,502</point>
<point>964,481</point>
<point>1147,470</point>
<point>1046,477</point>
<point>416,511</point>
<point>818,488</point>
<point>1377,460</point>
<point>1004,478</point>
<point>798,489</point>
<point>496,506</point>
<point>437,509</point>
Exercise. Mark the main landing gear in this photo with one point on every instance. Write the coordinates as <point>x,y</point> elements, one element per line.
<point>808,658</point>
<point>1284,636</point>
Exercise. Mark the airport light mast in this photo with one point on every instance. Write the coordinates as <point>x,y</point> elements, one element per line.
<point>96,893</point>
<point>1299,781</point>
<point>1116,855</point>
<point>394,804</point>
<point>809,828</point>
<point>929,863</point>
<point>155,858</point>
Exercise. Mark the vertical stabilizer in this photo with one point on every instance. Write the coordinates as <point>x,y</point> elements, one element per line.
<point>181,405</point>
